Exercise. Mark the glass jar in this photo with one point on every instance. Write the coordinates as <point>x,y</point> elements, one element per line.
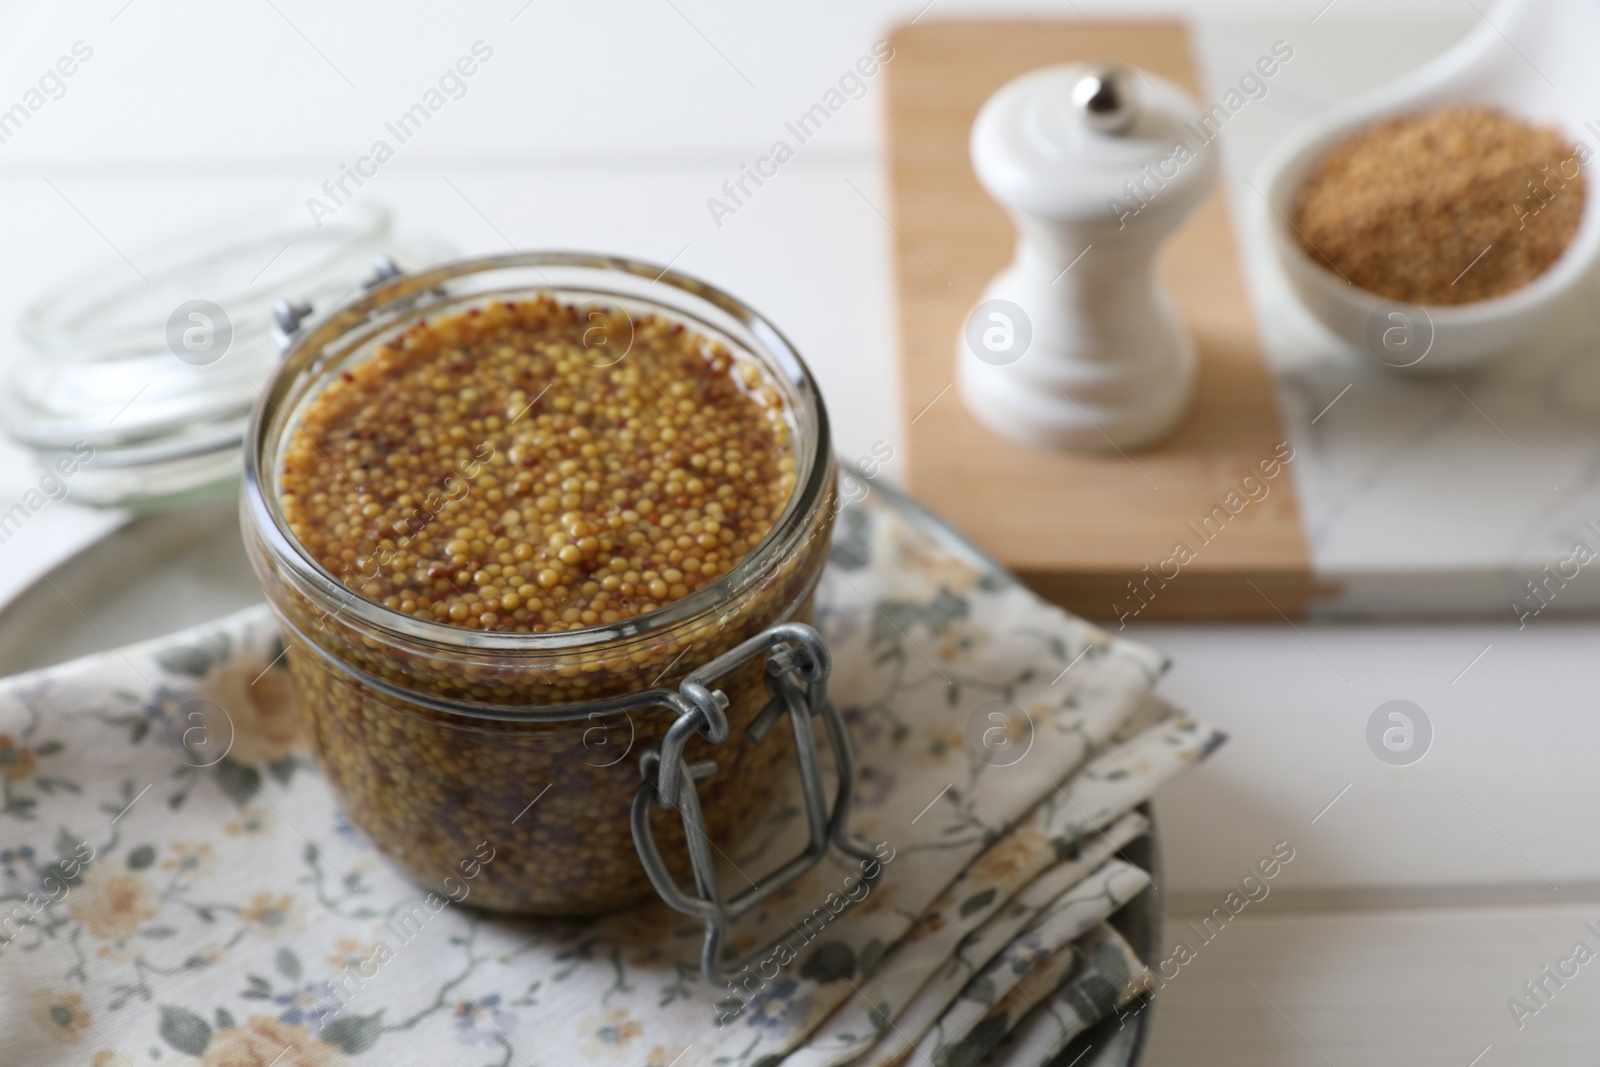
<point>510,763</point>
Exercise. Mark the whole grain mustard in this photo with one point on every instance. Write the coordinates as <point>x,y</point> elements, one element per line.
<point>534,466</point>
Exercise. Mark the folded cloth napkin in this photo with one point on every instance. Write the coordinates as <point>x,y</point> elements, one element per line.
<point>1110,978</point>
<point>1028,969</point>
<point>1045,838</point>
<point>1001,931</point>
<point>160,907</point>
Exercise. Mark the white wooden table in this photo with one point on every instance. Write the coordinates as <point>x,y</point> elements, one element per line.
<point>1420,898</point>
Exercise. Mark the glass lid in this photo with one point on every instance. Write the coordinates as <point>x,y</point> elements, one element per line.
<point>153,362</point>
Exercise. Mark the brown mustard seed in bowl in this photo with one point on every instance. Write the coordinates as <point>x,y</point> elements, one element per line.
<point>534,466</point>
<point>1447,206</point>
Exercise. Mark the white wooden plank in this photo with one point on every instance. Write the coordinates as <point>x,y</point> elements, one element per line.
<point>1503,800</point>
<point>1380,988</point>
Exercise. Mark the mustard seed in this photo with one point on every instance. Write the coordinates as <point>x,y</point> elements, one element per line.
<point>582,483</point>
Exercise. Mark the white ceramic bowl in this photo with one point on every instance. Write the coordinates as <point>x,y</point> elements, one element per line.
<point>1514,60</point>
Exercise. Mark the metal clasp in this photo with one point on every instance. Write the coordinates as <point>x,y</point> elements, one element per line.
<point>288,316</point>
<point>797,667</point>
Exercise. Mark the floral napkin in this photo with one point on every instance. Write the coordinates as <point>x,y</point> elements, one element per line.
<point>999,934</point>
<point>1028,969</point>
<point>161,908</point>
<point>1111,977</point>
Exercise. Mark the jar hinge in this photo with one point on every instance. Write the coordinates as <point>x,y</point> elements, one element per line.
<point>288,316</point>
<point>798,665</point>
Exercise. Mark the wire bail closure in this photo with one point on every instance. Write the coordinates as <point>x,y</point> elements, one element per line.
<point>798,665</point>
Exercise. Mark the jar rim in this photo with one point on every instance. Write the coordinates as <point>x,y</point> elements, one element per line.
<point>306,356</point>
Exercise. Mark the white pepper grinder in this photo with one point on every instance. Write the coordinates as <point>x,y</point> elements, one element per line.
<point>1075,345</point>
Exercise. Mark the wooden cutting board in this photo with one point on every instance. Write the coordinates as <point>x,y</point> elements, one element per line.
<point>1099,535</point>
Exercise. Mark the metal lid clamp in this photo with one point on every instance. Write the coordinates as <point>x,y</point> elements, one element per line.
<point>288,316</point>
<point>797,668</point>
